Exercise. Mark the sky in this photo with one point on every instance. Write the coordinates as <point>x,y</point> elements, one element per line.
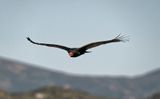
<point>74,23</point>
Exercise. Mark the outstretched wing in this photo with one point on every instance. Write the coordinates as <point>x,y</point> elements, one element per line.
<point>49,45</point>
<point>119,38</point>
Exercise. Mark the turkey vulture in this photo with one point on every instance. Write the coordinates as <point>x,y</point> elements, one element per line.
<point>75,52</point>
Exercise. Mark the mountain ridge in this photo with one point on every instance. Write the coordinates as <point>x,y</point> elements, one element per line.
<point>18,76</point>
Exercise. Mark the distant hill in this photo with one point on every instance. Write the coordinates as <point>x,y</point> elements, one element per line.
<point>49,93</point>
<point>154,96</point>
<point>17,77</point>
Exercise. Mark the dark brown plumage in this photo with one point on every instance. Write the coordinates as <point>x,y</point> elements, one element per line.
<point>75,52</point>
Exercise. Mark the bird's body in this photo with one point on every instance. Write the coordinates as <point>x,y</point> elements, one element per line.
<point>75,52</point>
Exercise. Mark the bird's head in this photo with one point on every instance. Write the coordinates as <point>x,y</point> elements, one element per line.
<point>71,54</point>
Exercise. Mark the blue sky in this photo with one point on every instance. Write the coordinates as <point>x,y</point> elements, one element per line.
<point>74,23</point>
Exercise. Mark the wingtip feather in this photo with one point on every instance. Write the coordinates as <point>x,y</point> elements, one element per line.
<point>30,40</point>
<point>122,38</point>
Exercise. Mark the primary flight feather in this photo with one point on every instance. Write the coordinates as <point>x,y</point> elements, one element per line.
<point>75,52</point>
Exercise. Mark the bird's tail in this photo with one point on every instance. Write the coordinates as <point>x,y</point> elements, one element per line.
<point>88,51</point>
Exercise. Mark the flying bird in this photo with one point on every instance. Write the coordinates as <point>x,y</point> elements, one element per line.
<point>75,52</point>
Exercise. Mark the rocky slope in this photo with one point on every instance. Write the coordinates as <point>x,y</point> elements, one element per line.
<point>49,93</point>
